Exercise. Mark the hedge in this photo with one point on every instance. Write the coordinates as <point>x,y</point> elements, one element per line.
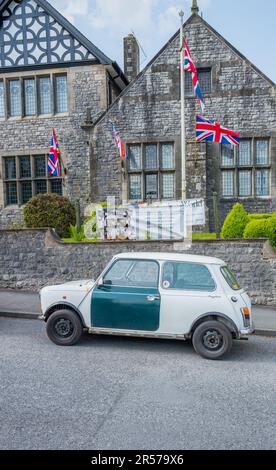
<point>235,223</point>
<point>271,229</point>
<point>256,229</point>
<point>259,216</point>
<point>50,210</point>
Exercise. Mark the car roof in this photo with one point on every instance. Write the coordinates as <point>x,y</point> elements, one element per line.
<point>170,257</point>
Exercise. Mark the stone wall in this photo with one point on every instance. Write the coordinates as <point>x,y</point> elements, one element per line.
<point>30,259</point>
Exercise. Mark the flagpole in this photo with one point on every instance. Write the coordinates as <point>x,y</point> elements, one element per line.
<point>183,130</point>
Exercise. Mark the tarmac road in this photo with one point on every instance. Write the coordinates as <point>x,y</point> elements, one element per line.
<point>121,393</point>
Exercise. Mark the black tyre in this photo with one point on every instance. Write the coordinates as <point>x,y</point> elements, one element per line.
<point>64,328</point>
<point>212,340</point>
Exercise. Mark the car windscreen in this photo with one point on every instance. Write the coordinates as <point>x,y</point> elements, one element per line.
<point>230,278</point>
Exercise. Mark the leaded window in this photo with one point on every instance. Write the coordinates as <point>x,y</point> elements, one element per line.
<point>245,153</point>
<point>262,182</point>
<point>15,98</point>
<point>205,81</point>
<point>26,176</point>
<point>45,98</point>
<point>61,94</point>
<point>29,97</point>
<point>246,169</point>
<point>245,183</point>
<point>262,152</point>
<point>34,96</point>
<point>228,183</point>
<point>151,171</point>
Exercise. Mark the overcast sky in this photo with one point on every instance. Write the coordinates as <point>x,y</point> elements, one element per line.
<point>250,25</point>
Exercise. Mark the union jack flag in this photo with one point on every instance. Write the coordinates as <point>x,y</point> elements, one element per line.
<point>189,66</point>
<point>212,131</point>
<point>118,142</point>
<point>54,167</point>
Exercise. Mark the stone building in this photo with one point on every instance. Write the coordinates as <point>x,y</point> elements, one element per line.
<point>51,76</point>
<point>147,116</point>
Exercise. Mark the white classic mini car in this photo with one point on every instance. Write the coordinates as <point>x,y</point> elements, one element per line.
<point>153,295</point>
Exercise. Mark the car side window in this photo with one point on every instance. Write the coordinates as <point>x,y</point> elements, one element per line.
<point>117,273</point>
<point>133,273</point>
<point>187,276</point>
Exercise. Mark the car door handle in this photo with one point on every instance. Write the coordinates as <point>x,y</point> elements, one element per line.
<point>152,298</point>
<point>214,297</point>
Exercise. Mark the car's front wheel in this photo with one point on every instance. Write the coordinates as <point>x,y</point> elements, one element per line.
<point>212,340</point>
<point>64,328</point>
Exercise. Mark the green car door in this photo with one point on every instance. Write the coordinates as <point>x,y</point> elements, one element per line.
<point>129,297</point>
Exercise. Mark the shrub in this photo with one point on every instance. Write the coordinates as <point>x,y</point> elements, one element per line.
<point>77,236</point>
<point>256,229</point>
<point>271,230</point>
<point>50,210</point>
<point>259,216</point>
<point>235,223</point>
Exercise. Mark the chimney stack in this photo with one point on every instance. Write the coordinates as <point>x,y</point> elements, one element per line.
<point>131,57</point>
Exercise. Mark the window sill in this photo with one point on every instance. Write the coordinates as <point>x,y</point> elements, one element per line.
<point>31,118</point>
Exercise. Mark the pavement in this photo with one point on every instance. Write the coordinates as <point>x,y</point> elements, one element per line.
<point>111,393</point>
<point>18,304</point>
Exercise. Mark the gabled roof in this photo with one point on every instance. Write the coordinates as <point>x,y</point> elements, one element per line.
<point>99,56</point>
<point>171,40</point>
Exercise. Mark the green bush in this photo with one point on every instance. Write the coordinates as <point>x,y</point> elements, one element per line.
<point>271,229</point>
<point>256,229</point>
<point>50,210</point>
<point>235,223</point>
<point>77,236</point>
<point>259,216</point>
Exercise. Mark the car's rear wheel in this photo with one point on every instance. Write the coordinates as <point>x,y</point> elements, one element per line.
<point>212,340</point>
<point>64,328</point>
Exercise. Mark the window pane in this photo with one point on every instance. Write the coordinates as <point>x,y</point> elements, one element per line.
<point>10,168</point>
<point>167,156</point>
<point>135,157</point>
<point>262,183</point>
<point>117,273</point>
<point>45,105</point>
<point>244,152</point>
<point>189,87</point>
<point>227,155</point>
<point>2,99</point>
<point>15,98</point>
<point>131,273</point>
<point>61,94</point>
<point>151,186</point>
<point>11,193</point>
<point>187,276</point>
<point>26,191</point>
<point>135,187</point>
<point>230,278</point>
<point>144,274</point>
<point>227,183</point>
<point>205,81</point>
<point>29,97</point>
<point>25,167</point>
<point>40,166</point>
<point>56,187</point>
<point>245,183</point>
<point>41,187</point>
<point>168,186</point>
<point>150,156</point>
<point>262,152</point>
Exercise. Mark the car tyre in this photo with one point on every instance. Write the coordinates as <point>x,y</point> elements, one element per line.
<point>212,340</point>
<point>64,328</point>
